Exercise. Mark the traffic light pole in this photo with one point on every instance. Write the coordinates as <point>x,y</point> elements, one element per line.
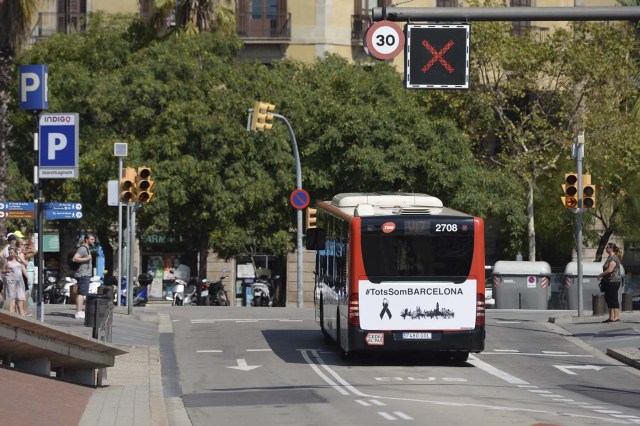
<point>578,153</point>
<point>294,146</point>
<point>120,269</point>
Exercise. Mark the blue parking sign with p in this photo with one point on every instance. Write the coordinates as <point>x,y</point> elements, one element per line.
<point>33,87</point>
<point>59,146</point>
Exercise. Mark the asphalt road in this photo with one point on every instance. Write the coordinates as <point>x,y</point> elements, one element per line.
<point>264,366</point>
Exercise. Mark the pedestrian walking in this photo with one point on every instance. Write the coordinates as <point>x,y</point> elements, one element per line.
<point>25,257</point>
<point>12,238</point>
<point>611,279</point>
<point>14,291</point>
<point>84,272</point>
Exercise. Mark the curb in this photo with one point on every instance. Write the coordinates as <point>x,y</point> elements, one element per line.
<point>629,356</point>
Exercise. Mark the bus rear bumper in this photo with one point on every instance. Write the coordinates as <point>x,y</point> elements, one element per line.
<point>468,341</point>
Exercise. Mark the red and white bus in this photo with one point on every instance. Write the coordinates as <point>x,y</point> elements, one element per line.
<point>399,272</point>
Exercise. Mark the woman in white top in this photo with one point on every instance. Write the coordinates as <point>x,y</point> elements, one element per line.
<point>14,291</point>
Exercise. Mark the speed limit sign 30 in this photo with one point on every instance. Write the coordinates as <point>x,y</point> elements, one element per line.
<point>384,40</point>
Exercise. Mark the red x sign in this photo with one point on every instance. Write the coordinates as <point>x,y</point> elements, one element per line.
<point>437,56</point>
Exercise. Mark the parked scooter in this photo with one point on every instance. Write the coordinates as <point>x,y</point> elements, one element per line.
<point>217,292</point>
<point>202,290</point>
<point>66,290</point>
<point>178,292</point>
<point>190,295</point>
<point>141,292</point>
<point>262,291</point>
<point>52,292</point>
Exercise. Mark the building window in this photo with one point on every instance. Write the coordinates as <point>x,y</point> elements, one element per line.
<point>446,3</point>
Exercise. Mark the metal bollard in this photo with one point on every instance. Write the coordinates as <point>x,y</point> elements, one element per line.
<point>627,302</point>
<point>598,305</point>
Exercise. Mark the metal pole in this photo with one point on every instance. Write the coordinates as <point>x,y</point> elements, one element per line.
<point>120,270</point>
<point>294,145</point>
<point>37,220</point>
<point>466,14</point>
<point>130,258</point>
<point>579,153</point>
<point>132,239</point>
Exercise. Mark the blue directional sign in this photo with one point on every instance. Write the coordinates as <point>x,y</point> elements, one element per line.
<point>62,206</point>
<point>33,87</point>
<point>62,214</point>
<point>59,146</point>
<point>13,205</point>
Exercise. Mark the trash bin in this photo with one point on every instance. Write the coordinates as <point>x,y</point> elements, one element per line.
<point>590,272</point>
<point>521,284</point>
<point>598,305</point>
<point>95,309</point>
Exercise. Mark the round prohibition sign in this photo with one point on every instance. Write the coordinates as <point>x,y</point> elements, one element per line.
<point>385,40</point>
<point>299,199</point>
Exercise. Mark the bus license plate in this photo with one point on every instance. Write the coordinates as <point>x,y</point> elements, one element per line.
<point>412,335</point>
<point>374,339</point>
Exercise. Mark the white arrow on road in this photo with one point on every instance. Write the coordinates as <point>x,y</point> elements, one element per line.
<point>242,365</point>
<point>566,368</point>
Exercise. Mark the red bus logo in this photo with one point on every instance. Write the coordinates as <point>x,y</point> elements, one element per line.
<point>388,227</point>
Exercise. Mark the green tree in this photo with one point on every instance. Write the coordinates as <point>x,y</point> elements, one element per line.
<point>15,19</point>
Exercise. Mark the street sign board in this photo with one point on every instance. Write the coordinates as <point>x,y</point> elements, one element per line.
<point>59,146</point>
<point>62,214</point>
<point>62,206</point>
<point>17,214</point>
<point>299,199</point>
<point>384,40</point>
<point>13,205</point>
<point>33,87</point>
<point>437,56</point>
<point>17,210</point>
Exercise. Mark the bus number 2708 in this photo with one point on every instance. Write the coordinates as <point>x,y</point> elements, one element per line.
<point>446,227</point>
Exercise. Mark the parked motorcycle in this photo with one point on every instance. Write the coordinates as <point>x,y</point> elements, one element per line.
<point>178,292</point>
<point>202,290</point>
<point>66,289</point>
<point>262,290</point>
<point>217,292</point>
<point>52,293</point>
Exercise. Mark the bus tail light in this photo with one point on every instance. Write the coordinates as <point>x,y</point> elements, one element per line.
<point>480,309</point>
<point>354,309</point>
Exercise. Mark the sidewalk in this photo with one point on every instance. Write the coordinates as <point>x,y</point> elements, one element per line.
<point>131,392</point>
<point>620,340</point>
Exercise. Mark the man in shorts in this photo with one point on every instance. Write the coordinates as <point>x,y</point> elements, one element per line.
<point>84,272</point>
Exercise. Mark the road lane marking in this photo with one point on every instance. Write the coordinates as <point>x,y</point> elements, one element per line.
<point>487,368</point>
<point>259,350</point>
<point>346,388</point>
<point>212,321</point>
<point>378,403</point>
<point>555,352</point>
<point>364,403</point>
<point>315,368</point>
<point>208,351</point>
<point>567,368</point>
<point>538,354</point>
<point>386,415</point>
<point>402,415</point>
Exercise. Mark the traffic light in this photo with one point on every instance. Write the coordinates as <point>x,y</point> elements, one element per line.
<point>261,119</point>
<point>128,186</point>
<point>570,189</point>
<point>311,217</point>
<point>588,192</point>
<point>144,185</point>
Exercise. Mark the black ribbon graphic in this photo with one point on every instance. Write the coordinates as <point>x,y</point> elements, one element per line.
<point>385,309</point>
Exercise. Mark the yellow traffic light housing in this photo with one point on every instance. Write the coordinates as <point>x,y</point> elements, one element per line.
<point>144,185</point>
<point>128,185</point>
<point>260,118</point>
<point>588,192</point>
<point>311,217</point>
<point>570,189</point>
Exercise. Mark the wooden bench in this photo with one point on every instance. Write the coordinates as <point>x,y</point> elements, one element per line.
<point>35,347</point>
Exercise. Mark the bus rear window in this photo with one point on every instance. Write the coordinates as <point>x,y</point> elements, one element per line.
<point>408,248</point>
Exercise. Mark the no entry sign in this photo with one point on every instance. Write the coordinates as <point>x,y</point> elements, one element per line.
<point>299,199</point>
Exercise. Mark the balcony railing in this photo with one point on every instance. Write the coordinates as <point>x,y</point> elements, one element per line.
<point>50,23</point>
<point>275,27</point>
<point>521,28</point>
<point>359,24</point>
